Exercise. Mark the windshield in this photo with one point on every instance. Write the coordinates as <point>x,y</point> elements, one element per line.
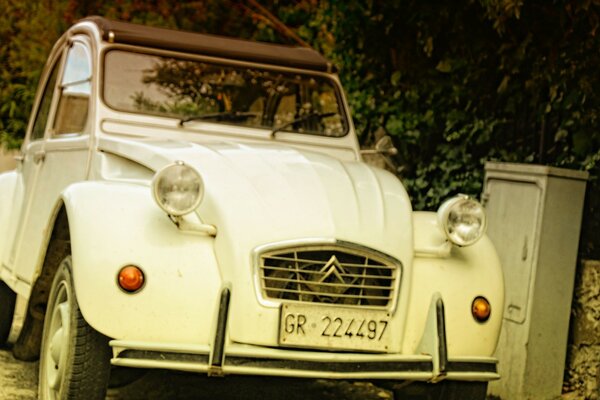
<point>197,90</point>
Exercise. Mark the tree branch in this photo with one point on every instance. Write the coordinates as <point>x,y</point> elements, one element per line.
<point>277,24</point>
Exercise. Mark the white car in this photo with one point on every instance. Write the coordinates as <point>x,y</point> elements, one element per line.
<point>199,203</point>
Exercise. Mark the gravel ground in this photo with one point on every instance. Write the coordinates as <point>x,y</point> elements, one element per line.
<point>18,380</point>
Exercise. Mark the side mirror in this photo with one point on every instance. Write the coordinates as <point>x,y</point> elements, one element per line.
<point>383,146</point>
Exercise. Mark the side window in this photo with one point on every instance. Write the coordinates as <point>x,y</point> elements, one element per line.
<point>39,126</point>
<point>72,111</point>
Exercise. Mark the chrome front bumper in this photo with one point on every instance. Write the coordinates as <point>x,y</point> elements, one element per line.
<point>254,360</point>
<point>226,358</point>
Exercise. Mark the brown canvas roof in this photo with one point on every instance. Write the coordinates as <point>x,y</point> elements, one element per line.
<point>211,45</point>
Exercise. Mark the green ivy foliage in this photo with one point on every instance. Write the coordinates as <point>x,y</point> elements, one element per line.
<point>453,83</point>
<point>458,83</point>
<point>27,32</point>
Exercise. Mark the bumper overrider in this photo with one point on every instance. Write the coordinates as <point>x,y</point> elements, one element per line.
<point>222,358</point>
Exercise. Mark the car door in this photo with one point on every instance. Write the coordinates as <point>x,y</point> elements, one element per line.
<point>28,167</point>
<point>61,159</point>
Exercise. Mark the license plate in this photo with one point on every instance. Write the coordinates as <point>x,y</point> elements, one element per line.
<point>341,328</point>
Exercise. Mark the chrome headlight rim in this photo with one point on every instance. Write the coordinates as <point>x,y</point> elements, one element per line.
<point>451,206</point>
<point>158,198</point>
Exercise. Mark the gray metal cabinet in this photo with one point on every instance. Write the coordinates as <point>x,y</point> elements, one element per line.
<point>534,221</point>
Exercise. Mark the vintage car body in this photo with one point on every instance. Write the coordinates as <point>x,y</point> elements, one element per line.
<point>80,207</point>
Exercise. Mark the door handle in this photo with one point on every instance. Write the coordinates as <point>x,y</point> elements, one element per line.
<point>39,156</point>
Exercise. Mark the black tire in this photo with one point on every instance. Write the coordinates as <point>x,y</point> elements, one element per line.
<point>445,390</point>
<point>75,359</point>
<point>8,299</point>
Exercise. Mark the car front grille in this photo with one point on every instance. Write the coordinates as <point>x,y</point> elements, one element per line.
<point>329,274</point>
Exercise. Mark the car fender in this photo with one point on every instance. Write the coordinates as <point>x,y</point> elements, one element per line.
<point>8,184</point>
<point>458,275</point>
<point>116,224</point>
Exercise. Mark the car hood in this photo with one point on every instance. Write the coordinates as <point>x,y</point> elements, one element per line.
<point>265,193</point>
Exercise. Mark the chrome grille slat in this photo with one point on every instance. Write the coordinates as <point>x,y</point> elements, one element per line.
<point>332,295</point>
<point>329,274</point>
<point>324,262</point>
<point>342,274</point>
<point>359,286</point>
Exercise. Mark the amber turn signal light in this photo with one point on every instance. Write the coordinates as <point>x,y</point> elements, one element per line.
<point>131,278</point>
<point>481,309</point>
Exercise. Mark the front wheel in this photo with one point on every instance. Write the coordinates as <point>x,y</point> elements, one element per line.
<point>8,300</point>
<point>75,359</point>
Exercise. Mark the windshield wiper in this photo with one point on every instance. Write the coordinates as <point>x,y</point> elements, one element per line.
<point>303,118</point>
<point>220,116</point>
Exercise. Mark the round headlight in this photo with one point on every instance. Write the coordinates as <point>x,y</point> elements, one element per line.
<point>462,219</point>
<point>178,189</point>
